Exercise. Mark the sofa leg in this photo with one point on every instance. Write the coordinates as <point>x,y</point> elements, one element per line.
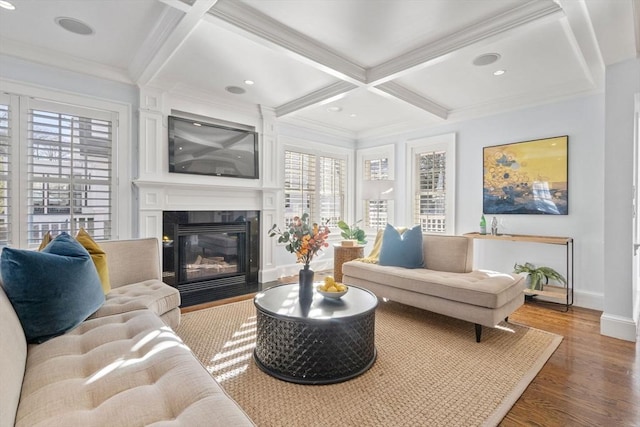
<point>506,319</point>
<point>478,332</point>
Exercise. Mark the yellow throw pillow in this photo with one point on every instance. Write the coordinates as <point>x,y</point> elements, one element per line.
<point>45,241</point>
<point>98,256</point>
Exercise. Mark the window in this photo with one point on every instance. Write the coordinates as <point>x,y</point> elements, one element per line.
<point>6,115</point>
<point>376,208</point>
<point>375,169</point>
<point>65,168</point>
<point>314,184</point>
<point>430,209</point>
<point>432,168</point>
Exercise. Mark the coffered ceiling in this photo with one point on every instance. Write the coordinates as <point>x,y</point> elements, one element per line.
<point>360,67</point>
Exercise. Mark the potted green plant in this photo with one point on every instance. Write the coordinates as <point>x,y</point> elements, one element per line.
<point>537,274</point>
<point>352,232</point>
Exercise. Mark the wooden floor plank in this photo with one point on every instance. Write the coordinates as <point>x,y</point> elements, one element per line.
<point>591,380</point>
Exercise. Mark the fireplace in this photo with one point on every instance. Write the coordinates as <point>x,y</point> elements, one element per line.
<point>210,255</point>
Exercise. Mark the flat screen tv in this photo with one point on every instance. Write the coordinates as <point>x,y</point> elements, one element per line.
<point>201,148</point>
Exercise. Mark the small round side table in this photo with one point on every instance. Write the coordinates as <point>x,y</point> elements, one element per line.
<point>342,254</point>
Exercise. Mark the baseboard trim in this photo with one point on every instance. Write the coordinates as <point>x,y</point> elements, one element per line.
<point>623,328</point>
<point>591,300</point>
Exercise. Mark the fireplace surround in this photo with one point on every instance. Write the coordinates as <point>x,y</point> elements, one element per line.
<point>210,255</point>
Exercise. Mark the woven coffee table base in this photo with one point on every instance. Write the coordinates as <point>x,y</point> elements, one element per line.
<point>315,351</point>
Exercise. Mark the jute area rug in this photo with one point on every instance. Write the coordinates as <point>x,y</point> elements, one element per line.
<point>429,371</point>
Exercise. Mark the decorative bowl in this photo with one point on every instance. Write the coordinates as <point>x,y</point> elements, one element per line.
<point>332,295</point>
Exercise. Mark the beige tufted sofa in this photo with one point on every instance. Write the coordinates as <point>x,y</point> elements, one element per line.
<point>446,285</point>
<point>124,366</point>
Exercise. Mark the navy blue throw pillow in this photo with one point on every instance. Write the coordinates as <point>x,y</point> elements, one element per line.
<point>401,250</point>
<point>53,290</point>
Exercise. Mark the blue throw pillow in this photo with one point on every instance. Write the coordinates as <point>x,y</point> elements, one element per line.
<point>53,290</point>
<point>401,250</point>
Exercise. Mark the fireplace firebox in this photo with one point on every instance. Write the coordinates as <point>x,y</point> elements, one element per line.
<point>210,255</point>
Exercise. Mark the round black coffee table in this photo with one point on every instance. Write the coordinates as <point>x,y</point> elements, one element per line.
<point>314,340</point>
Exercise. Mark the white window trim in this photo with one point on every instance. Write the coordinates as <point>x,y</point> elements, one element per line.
<point>286,143</point>
<point>382,151</point>
<point>446,142</point>
<point>123,160</point>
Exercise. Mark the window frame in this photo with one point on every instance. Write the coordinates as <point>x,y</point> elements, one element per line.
<point>312,148</point>
<point>368,154</point>
<point>24,95</point>
<point>447,143</point>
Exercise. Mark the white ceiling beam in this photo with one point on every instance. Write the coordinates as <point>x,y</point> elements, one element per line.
<point>322,96</point>
<point>420,57</point>
<point>281,37</point>
<point>168,35</point>
<point>411,97</point>
<point>580,33</point>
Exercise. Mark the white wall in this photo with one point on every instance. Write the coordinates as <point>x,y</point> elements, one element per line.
<point>582,119</point>
<point>622,83</point>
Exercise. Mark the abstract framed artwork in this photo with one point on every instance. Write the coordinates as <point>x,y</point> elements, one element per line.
<point>529,177</point>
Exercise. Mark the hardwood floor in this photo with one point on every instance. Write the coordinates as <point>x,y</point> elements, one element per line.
<point>590,380</point>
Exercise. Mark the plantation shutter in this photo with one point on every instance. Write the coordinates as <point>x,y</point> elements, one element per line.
<point>69,163</point>
<point>430,203</point>
<point>376,213</point>
<point>332,183</point>
<point>315,185</point>
<point>299,185</point>
<point>6,129</point>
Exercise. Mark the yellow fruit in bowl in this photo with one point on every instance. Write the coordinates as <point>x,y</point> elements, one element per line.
<point>329,280</point>
<point>340,287</point>
<point>332,289</point>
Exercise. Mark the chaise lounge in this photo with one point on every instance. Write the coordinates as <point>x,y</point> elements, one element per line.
<point>446,283</point>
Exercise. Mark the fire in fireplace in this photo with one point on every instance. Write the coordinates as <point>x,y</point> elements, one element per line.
<point>210,255</point>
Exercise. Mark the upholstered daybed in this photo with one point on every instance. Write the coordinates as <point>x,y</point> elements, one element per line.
<point>445,284</point>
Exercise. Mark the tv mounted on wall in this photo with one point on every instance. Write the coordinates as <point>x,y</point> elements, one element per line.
<point>197,147</point>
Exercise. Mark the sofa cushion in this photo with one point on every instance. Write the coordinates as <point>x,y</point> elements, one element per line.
<point>149,294</point>
<point>121,370</point>
<point>482,288</point>
<point>98,256</point>
<point>401,250</point>
<point>52,290</point>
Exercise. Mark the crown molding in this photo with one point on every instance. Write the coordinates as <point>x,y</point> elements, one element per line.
<point>325,95</point>
<point>60,60</point>
<point>267,29</point>
<point>513,18</point>
<point>398,91</point>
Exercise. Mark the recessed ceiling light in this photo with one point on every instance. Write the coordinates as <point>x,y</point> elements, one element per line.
<point>235,90</point>
<point>334,109</point>
<point>74,25</point>
<point>353,115</point>
<point>249,82</point>
<point>486,59</point>
<point>196,124</point>
<point>7,5</point>
<point>499,72</point>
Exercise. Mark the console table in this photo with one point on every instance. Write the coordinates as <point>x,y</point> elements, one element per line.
<point>557,294</point>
